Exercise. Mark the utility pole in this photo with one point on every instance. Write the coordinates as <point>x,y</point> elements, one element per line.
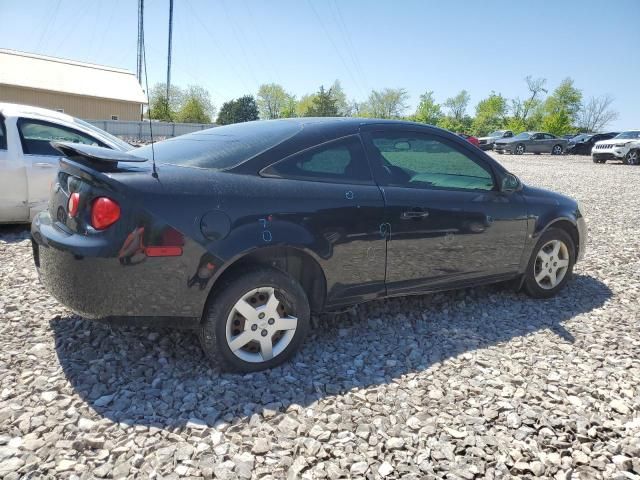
<point>169,51</point>
<point>140,30</point>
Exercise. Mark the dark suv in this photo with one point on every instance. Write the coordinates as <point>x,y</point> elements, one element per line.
<point>246,230</point>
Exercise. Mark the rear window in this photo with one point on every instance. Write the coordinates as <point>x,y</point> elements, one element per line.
<point>221,148</point>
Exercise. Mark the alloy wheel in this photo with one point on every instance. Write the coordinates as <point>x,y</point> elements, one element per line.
<point>259,326</point>
<point>552,264</point>
<point>519,149</point>
<point>633,158</point>
<point>557,150</point>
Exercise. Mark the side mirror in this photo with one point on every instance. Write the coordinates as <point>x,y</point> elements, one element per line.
<point>510,183</point>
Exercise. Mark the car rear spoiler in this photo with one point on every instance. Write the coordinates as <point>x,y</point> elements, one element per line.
<point>100,158</point>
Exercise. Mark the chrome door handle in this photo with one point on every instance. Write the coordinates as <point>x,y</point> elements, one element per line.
<point>43,165</point>
<point>409,214</point>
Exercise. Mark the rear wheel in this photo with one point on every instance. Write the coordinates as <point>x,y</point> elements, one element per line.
<point>556,150</point>
<point>551,264</point>
<point>256,321</point>
<point>519,149</point>
<point>632,158</point>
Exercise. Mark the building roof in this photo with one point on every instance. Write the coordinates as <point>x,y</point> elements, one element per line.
<point>40,72</point>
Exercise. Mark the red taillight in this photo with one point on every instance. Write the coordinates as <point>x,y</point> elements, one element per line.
<point>74,202</point>
<point>104,213</point>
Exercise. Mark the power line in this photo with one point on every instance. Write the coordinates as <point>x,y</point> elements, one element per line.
<point>335,47</point>
<point>239,42</point>
<point>353,52</point>
<point>46,28</point>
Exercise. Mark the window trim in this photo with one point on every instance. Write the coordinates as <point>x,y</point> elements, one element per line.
<point>4,144</point>
<point>46,123</point>
<point>266,174</point>
<point>463,150</point>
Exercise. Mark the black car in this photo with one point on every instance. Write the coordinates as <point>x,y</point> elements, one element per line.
<point>246,230</point>
<point>583,143</point>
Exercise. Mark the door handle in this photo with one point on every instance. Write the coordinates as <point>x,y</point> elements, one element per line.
<point>43,165</point>
<point>416,214</point>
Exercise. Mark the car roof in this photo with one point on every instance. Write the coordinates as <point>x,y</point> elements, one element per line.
<point>14,110</point>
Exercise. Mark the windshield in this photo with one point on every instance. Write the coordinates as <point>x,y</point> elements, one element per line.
<point>522,136</point>
<point>497,133</point>
<point>115,140</point>
<point>630,134</point>
<point>221,148</point>
<point>583,137</point>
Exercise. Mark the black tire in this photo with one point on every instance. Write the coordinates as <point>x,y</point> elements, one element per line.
<point>557,150</point>
<point>531,286</point>
<point>213,330</point>
<point>632,158</point>
<point>520,149</point>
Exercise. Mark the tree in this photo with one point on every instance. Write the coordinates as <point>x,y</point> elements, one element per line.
<point>304,104</point>
<point>323,104</point>
<point>272,99</point>
<point>521,110</point>
<point>289,110</point>
<point>387,103</point>
<point>491,114</point>
<point>161,108</point>
<point>344,107</point>
<point>196,106</point>
<point>243,109</point>
<point>428,110</point>
<point>457,105</point>
<point>558,113</point>
<point>596,114</point>
<point>557,122</point>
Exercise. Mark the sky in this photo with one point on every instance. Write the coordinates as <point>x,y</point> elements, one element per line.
<point>232,46</point>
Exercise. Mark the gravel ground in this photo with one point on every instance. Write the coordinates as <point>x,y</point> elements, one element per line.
<point>475,383</point>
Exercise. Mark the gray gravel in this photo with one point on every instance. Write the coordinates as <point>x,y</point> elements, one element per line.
<point>476,383</point>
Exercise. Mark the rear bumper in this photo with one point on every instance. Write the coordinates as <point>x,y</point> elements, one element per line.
<point>83,273</point>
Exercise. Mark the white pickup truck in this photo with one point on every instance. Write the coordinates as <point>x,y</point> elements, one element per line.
<point>28,163</point>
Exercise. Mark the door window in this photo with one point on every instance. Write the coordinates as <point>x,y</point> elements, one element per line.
<point>341,161</point>
<point>36,135</point>
<point>423,161</point>
<point>548,136</point>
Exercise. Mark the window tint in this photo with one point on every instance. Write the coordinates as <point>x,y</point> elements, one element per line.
<point>3,135</point>
<point>221,148</point>
<point>36,136</point>
<point>548,136</point>
<point>422,161</point>
<point>341,161</point>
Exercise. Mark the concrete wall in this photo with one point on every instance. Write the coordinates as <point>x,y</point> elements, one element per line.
<point>75,105</point>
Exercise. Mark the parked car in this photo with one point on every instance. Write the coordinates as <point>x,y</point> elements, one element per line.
<point>28,163</point>
<point>469,138</point>
<point>623,146</point>
<point>245,230</point>
<point>583,143</point>
<point>532,142</point>
<point>486,143</point>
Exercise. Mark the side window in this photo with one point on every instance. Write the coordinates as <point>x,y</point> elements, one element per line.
<point>36,135</point>
<point>548,136</point>
<point>341,161</point>
<point>508,135</point>
<point>536,136</point>
<point>422,161</point>
<point>3,134</point>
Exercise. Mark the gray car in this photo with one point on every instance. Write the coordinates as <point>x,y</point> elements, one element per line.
<point>486,143</point>
<point>531,142</point>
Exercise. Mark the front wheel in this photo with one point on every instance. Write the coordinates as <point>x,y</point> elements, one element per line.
<point>551,264</point>
<point>632,158</point>
<point>556,150</point>
<point>257,320</point>
<point>519,149</point>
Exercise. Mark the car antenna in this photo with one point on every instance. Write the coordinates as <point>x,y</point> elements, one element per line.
<point>146,81</point>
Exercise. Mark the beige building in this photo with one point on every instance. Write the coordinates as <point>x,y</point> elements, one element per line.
<point>84,90</point>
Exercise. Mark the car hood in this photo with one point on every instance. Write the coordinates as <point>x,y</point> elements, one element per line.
<point>540,195</point>
<point>511,140</point>
<point>489,138</point>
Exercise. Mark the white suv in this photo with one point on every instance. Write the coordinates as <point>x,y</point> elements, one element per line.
<point>625,146</point>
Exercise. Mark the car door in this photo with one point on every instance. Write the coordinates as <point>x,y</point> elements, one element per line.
<point>535,144</point>
<point>448,223</point>
<point>330,192</point>
<point>41,158</point>
<point>13,176</point>
<point>549,141</point>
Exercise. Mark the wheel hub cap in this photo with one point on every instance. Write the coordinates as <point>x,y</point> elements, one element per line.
<point>552,264</point>
<point>259,327</point>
